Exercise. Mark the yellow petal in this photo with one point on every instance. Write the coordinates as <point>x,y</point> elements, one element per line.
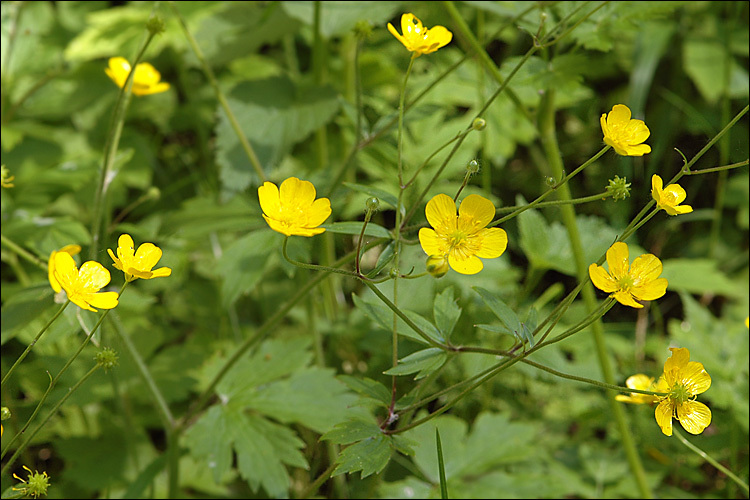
<point>638,150</point>
<point>626,299</point>
<point>125,247</point>
<point>638,131</point>
<point>147,256</point>
<point>645,269</point>
<point>431,243</point>
<point>651,290</point>
<point>278,226</point>
<point>162,272</point>
<point>477,211</point>
<point>619,115</point>
<point>66,272</point>
<point>694,416</point>
<point>469,265</point>
<point>678,210</point>
<point>678,360</point>
<point>117,263</point>
<point>93,277</point>
<point>494,243</point>
<point>440,210</point>
<point>677,192</point>
<point>617,259</point>
<point>268,195</point>
<point>319,212</point>
<point>410,25</point>
<point>602,279</point>
<point>296,192</point>
<point>656,188</point>
<point>605,127</point>
<point>664,412</point>
<point>696,378</point>
<point>102,300</point>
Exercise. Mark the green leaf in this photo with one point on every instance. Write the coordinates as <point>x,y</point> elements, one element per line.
<point>506,315</point>
<point>339,17</point>
<point>275,114</point>
<point>351,431</point>
<point>262,449</point>
<point>369,388</point>
<point>370,456</point>
<point>243,263</point>
<point>425,362</point>
<point>700,276</point>
<point>386,256</point>
<point>372,229</point>
<point>320,401</point>
<point>446,312</point>
<point>441,466</point>
<point>384,317</point>
<point>210,441</point>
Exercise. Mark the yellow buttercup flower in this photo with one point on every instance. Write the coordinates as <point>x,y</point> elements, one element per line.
<point>628,282</point>
<point>641,382</point>
<point>146,79</point>
<point>670,197</point>
<point>419,39</point>
<point>69,249</point>
<point>83,286</point>
<point>463,238</point>
<point>623,134</point>
<point>683,380</point>
<point>138,264</point>
<point>293,209</point>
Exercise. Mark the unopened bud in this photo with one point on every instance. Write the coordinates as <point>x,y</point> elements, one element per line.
<point>437,265</point>
<point>472,167</point>
<point>479,124</point>
<point>155,25</point>
<point>372,204</point>
<point>618,188</point>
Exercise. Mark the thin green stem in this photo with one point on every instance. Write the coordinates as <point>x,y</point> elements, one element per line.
<point>161,403</point>
<point>717,169</point>
<point>401,99</point>
<point>589,381</point>
<point>318,67</point>
<point>111,146</point>
<point>30,419</point>
<point>563,182</point>
<point>558,203</point>
<point>49,416</point>
<point>33,342</point>
<point>319,481</point>
<point>742,484</point>
<point>21,252</point>
<point>313,267</point>
<point>246,146</point>
<point>398,312</point>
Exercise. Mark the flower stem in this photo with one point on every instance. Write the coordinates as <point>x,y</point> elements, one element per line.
<point>33,342</point>
<point>246,146</point>
<point>549,142</point>
<point>557,203</point>
<point>111,146</point>
<point>742,484</point>
<point>49,416</point>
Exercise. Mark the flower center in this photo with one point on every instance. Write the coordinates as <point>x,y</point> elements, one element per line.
<point>679,393</point>
<point>625,282</point>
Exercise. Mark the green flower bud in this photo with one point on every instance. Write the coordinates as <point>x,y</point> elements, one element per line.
<point>363,29</point>
<point>479,124</point>
<point>155,25</point>
<point>106,358</point>
<point>472,167</point>
<point>437,265</point>
<point>372,204</point>
<point>618,188</point>
<point>5,413</point>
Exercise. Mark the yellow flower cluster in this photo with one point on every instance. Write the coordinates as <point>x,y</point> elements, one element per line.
<point>82,286</point>
<point>681,381</point>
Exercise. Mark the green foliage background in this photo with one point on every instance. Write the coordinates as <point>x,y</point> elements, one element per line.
<point>183,182</point>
